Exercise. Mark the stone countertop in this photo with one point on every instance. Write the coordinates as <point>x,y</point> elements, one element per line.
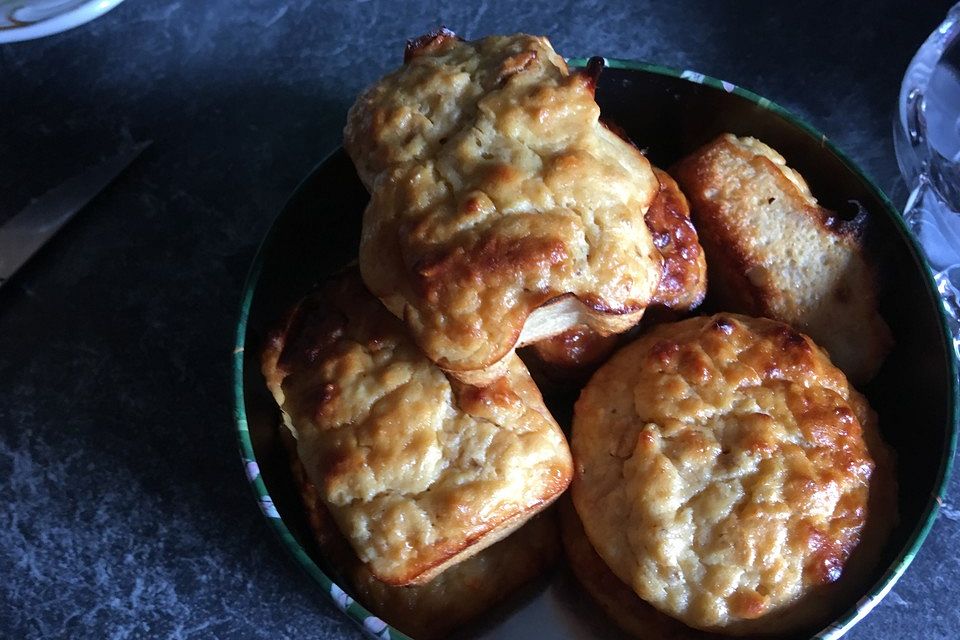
<point>126,512</point>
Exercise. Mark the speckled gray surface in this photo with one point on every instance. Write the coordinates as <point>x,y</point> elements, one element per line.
<point>125,510</point>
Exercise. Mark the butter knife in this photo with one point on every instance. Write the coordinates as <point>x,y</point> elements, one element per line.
<point>26,232</point>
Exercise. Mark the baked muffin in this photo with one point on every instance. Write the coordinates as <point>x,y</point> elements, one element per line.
<point>452,599</point>
<point>574,354</point>
<point>774,252</point>
<point>618,601</point>
<point>723,470</point>
<point>502,211</point>
<point>418,472</point>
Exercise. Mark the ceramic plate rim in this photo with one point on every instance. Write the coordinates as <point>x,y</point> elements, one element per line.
<point>59,23</point>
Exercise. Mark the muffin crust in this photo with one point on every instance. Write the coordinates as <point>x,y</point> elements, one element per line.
<point>774,252</point>
<point>496,194</point>
<point>417,471</point>
<point>722,471</point>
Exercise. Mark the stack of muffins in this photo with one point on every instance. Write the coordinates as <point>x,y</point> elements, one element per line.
<point>725,476</point>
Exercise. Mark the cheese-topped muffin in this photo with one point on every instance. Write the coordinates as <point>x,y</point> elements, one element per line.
<point>774,252</point>
<point>723,471</point>
<point>502,211</point>
<point>455,597</point>
<point>417,471</point>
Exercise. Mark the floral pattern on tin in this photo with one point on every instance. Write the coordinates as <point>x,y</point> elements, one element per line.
<point>340,597</point>
<point>252,469</point>
<point>266,505</point>
<point>377,627</point>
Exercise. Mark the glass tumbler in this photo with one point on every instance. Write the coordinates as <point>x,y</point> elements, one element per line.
<point>927,141</point>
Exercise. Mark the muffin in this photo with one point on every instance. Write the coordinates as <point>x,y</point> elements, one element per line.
<point>723,471</point>
<point>454,598</point>
<point>502,210</point>
<point>418,472</point>
<point>774,252</point>
<point>574,354</point>
<point>683,284</point>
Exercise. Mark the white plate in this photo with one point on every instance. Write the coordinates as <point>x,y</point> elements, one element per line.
<point>29,19</point>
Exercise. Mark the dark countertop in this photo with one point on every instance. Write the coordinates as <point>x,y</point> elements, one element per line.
<point>126,511</point>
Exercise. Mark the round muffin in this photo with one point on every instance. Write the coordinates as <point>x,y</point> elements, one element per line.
<point>723,471</point>
<point>617,600</point>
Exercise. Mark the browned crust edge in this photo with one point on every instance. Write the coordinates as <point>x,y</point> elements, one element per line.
<point>617,600</point>
<point>599,317</point>
<point>441,556</point>
<point>427,42</point>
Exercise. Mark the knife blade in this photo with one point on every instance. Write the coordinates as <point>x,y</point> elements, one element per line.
<point>26,232</point>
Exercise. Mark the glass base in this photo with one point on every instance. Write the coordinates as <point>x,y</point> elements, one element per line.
<point>937,227</point>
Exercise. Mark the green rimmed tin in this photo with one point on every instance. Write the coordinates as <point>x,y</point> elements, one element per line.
<point>668,112</point>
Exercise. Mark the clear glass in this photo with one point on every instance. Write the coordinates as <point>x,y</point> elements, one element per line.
<point>927,140</point>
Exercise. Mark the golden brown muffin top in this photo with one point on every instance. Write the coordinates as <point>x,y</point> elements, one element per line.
<point>721,470</point>
<point>417,472</point>
<point>495,189</point>
<point>574,354</point>
<point>455,597</point>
